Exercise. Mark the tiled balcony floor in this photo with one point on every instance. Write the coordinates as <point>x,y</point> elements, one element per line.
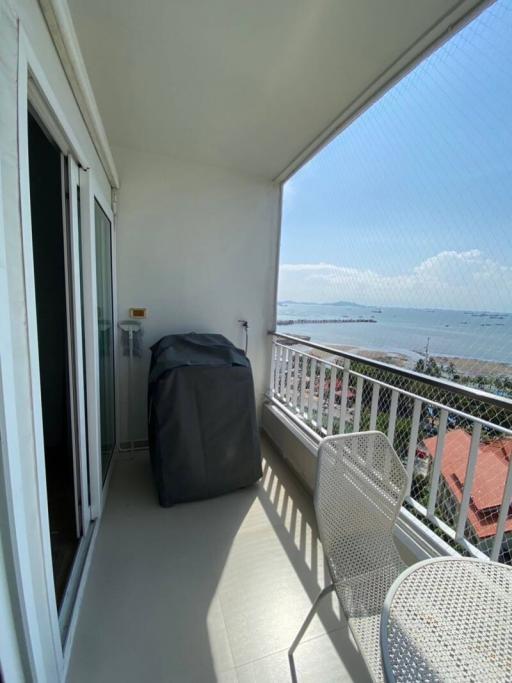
<point>214,590</point>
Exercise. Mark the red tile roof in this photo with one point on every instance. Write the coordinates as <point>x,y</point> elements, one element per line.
<point>489,481</point>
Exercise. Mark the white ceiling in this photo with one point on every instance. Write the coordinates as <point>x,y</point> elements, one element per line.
<point>246,84</point>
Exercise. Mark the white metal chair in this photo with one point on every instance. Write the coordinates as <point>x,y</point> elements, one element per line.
<point>360,487</point>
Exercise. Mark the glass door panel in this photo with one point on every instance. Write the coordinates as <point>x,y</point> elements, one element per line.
<point>51,262</point>
<point>56,259</point>
<point>103,231</point>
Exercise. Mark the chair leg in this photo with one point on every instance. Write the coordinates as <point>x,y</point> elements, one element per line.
<point>325,591</point>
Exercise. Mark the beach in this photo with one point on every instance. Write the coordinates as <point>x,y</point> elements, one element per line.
<point>469,367</point>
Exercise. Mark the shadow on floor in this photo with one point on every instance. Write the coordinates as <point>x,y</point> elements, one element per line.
<point>203,591</point>
<point>290,511</point>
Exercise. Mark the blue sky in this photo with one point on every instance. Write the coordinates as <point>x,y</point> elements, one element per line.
<point>412,204</point>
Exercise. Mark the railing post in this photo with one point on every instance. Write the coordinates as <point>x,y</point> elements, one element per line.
<point>321,389</point>
<point>288,387</point>
<point>332,396</point>
<point>312,382</point>
<point>436,470</point>
<point>344,396</point>
<point>374,410</point>
<point>284,360</point>
<point>506,502</point>
<point>468,480</point>
<point>392,416</point>
<point>413,443</point>
<point>278,370</point>
<point>357,407</point>
<point>296,362</point>
<point>303,375</point>
<point>272,387</point>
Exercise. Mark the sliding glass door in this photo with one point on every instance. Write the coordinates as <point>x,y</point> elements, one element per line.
<point>55,264</point>
<point>103,232</point>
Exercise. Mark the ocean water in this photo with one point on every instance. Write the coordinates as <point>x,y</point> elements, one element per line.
<point>463,334</point>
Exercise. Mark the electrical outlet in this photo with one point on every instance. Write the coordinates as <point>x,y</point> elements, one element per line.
<point>138,313</point>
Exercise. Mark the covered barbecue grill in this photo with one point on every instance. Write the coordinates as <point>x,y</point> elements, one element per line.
<point>203,434</point>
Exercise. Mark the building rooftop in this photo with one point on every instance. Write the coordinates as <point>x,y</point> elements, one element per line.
<point>489,480</point>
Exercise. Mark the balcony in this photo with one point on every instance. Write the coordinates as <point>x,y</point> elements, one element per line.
<point>168,167</point>
<point>214,590</point>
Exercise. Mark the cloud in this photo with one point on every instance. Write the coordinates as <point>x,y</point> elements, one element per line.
<point>451,279</point>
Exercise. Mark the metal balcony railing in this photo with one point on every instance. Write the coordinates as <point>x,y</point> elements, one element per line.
<point>455,442</point>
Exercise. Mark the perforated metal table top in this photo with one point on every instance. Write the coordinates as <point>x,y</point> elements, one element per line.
<point>449,619</point>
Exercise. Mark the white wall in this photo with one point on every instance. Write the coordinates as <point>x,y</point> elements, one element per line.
<point>197,246</point>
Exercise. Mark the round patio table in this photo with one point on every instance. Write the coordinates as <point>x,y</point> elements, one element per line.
<point>449,620</point>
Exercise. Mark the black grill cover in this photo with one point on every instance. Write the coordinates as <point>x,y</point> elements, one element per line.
<point>203,435</point>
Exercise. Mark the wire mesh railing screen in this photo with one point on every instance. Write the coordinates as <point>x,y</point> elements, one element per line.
<point>396,239</point>
<point>456,447</point>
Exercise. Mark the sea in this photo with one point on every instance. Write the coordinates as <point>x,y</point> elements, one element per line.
<point>485,336</point>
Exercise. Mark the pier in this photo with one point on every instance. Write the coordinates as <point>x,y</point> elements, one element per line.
<point>324,321</point>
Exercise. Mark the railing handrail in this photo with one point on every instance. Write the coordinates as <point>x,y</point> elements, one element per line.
<point>405,392</point>
<point>440,383</point>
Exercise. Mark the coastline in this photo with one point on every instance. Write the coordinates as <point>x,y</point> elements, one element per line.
<point>469,367</point>
<point>472,345</point>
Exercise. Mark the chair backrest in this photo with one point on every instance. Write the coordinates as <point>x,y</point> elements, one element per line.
<point>360,488</point>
